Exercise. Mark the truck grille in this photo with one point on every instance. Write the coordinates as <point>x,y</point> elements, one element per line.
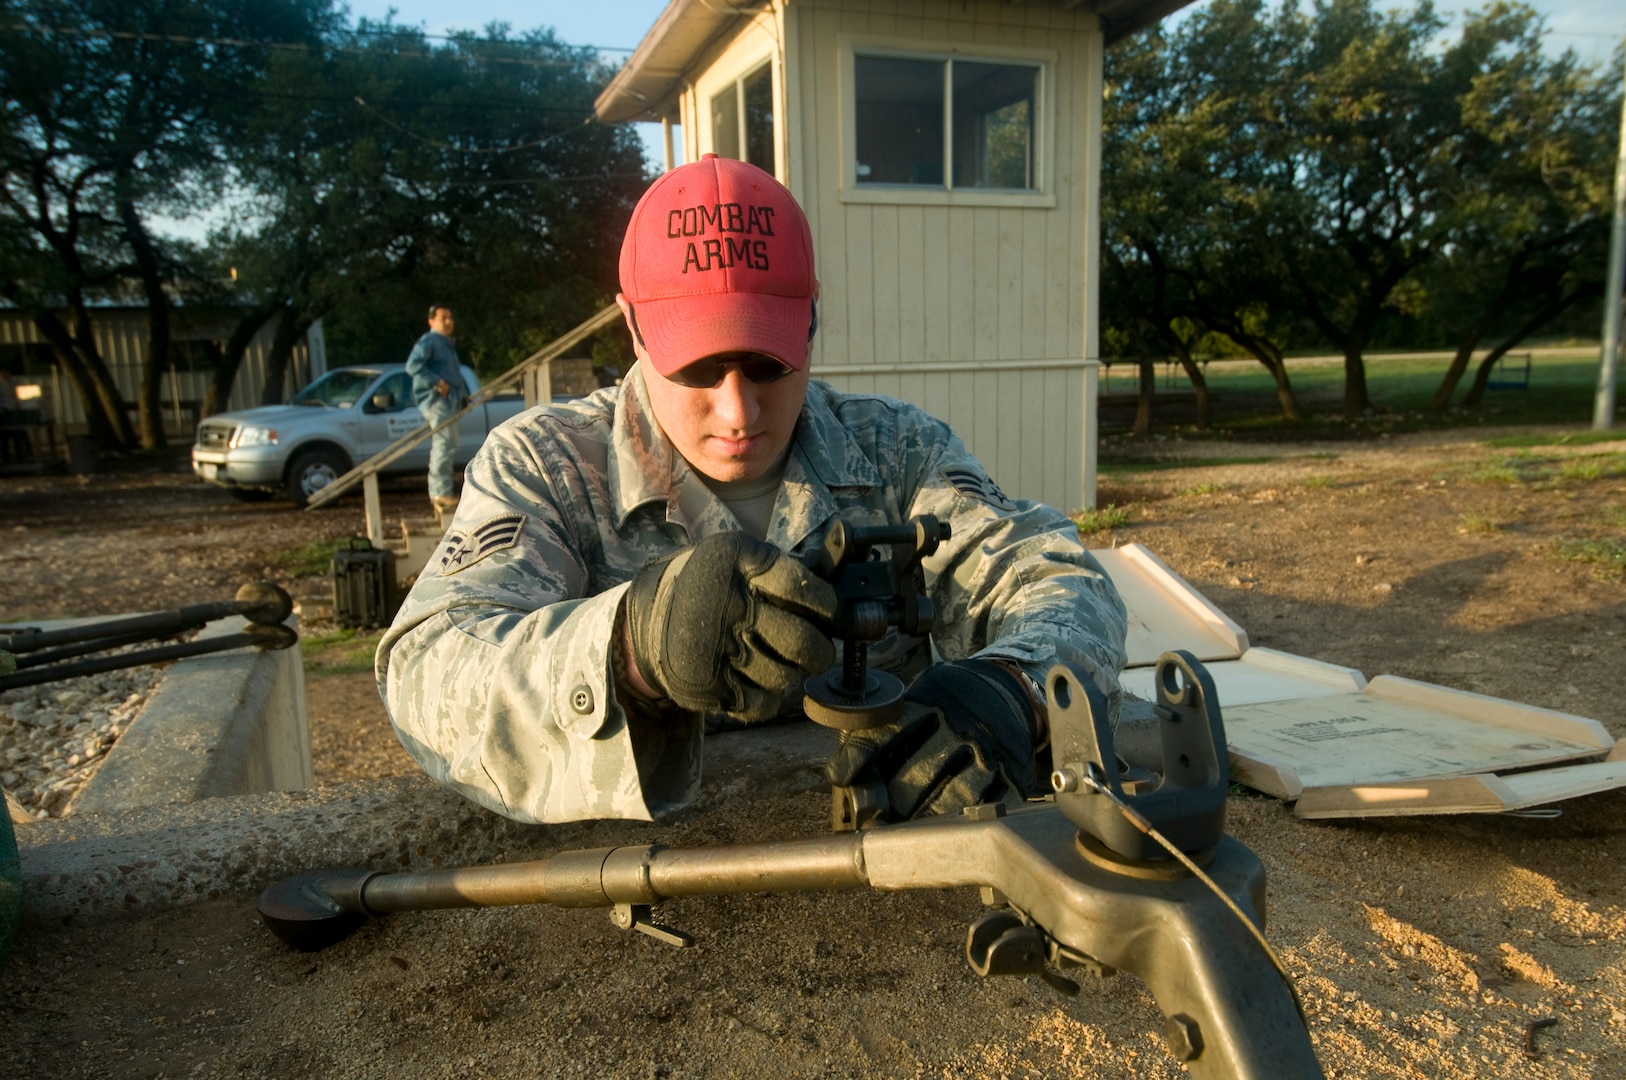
<point>215,436</point>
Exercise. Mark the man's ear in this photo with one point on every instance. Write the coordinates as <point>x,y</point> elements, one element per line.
<point>813,321</point>
<point>631,319</point>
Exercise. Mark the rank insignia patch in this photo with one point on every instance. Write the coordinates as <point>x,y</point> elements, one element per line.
<point>975,485</point>
<point>464,549</point>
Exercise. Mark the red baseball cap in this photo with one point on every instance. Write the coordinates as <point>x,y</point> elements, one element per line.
<point>719,258</point>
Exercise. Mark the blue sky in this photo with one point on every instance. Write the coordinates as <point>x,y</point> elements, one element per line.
<point>1591,27</point>
<point>613,25</point>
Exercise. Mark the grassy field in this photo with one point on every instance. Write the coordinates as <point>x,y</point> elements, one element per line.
<point>1560,390</point>
<point>340,652</point>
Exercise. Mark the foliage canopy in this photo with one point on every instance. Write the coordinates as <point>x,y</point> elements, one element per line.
<point>369,172</point>
<point>1282,178</point>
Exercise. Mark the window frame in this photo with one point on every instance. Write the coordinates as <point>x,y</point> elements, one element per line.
<point>713,89</point>
<point>1043,194</point>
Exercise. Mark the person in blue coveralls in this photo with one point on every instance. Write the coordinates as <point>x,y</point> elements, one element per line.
<point>439,391</point>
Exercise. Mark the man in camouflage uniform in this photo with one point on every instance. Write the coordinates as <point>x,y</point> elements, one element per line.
<point>623,567</point>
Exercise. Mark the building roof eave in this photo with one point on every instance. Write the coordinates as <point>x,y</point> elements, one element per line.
<point>647,85</point>
<point>1120,18</point>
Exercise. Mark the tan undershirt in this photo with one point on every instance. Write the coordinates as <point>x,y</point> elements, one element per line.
<point>751,501</point>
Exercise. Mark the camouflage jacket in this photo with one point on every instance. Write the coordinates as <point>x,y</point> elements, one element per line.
<point>497,671</point>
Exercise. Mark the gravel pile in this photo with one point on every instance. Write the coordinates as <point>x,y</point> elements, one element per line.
<point>53,737</point>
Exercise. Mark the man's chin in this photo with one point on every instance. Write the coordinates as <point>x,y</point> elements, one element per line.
<point>733,470</point>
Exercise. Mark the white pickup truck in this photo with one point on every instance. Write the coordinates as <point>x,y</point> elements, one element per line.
<point>338,421</point>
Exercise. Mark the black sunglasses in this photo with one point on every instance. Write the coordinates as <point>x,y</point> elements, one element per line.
<point>706,374</point>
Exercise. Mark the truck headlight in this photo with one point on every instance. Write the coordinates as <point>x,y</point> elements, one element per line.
<point>249,435</point>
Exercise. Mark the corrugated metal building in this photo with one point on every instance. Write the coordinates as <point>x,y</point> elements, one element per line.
<point>121,338</point>
<point>947,153</point>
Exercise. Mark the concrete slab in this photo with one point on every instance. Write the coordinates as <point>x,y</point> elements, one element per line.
<point>159,856</point>
<point>227,723</point>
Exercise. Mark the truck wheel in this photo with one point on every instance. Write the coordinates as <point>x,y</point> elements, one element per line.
<point>312,471</point>
<point>251,495</point>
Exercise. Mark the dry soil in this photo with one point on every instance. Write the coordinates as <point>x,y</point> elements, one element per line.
<point>1422,947</point>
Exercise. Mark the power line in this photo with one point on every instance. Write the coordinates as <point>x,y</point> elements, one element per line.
<point>472,150</point>
<point>493,41</point>
<point>301,46</point>
<point>343,98</point>
<point>511,182</point>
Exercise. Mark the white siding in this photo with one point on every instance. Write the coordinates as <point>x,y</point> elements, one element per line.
<point>121,338</point>
<point>1025,422</point>
<point>977,313</point>
<point>979,307</point>
<point>758,40</point>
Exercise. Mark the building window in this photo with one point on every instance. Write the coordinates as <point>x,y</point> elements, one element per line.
<point>742,119</point>
<point>946,122</point>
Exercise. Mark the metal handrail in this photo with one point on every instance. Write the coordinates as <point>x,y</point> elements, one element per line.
<point>400,446</point>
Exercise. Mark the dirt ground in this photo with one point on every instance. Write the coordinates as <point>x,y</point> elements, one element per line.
<point>1422,947</point>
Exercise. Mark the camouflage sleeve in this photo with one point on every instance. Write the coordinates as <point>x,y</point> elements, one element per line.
<point>497,670</point>
<point>1014,581</point>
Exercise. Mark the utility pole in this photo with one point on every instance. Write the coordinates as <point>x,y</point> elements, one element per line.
<point>1603,412</point>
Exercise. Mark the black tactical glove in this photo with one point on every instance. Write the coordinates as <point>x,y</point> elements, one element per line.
<point>965,737</point>
<point>728,624</point>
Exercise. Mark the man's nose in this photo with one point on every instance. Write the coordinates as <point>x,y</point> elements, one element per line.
<point>734,401</point>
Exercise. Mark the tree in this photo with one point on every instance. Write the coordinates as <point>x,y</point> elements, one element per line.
<point>1528,232</point>
<point>115,114</point>
<point>1337,167</point>
<point>1179,161</point>
<point>373,172</point>
<point>1363,162</point>
<point>1149,324</point>
<point>392,174</point>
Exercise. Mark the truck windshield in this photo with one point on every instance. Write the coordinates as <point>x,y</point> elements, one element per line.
<point>337,389</point>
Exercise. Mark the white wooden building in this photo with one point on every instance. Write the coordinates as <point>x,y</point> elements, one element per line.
<point>121,338</point>
<point>947,153</point>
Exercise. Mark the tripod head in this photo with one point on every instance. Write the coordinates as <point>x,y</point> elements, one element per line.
<point>876,595</point>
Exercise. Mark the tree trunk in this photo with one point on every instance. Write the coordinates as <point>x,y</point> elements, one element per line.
<point>1459,364</point>
<point>148,405</point>
<point>1285,398</point>
<point>1351,341</point>
<point>104,406</point>
<point>107,391</point>
<point>290,328</point>
<point>1261,349</point>
<point>1357,402</point>
<point>1267,354</point>
<point>56,335</point>
<point>1469,340</point>
<point>1552,310</point>
<point>1199,381</point>
<point>1482,374</point>
<point>218,395</point>
<point>1143,403</point>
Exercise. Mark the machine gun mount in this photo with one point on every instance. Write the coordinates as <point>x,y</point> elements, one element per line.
<point>875,597</point>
